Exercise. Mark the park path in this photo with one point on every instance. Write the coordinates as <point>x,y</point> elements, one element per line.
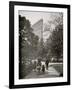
<point>51,72</point>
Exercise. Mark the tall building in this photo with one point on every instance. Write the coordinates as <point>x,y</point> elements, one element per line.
<point>38,28</point>
<point>41,30</point>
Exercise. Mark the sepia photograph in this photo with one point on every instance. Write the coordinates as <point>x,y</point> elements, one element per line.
<point>40,44</point>
<point>39,50</point>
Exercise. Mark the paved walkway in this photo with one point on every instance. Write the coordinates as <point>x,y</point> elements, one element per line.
<point>51,72</point>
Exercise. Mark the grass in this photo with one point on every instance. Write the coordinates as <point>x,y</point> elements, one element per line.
<point>59,68</point>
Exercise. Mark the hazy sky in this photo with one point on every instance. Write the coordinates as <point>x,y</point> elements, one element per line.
<point>34,16</point>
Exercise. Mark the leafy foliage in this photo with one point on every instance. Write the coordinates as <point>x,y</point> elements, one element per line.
<point>54,43</point>
<point>57,41</point>
<point>27,44</point>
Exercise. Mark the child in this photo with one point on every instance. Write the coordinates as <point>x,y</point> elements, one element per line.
<point>43,68</point>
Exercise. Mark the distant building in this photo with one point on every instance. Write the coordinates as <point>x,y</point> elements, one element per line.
<point>38,28</point>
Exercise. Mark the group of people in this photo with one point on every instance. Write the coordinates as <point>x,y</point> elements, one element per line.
<point>38,66</point>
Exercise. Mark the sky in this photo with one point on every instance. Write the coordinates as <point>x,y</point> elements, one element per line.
<point>34,16</point>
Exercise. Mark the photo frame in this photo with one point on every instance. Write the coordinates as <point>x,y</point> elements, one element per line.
<point>39,44</point>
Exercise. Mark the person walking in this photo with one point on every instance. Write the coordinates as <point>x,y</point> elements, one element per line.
<point>43,68</point>
<point>47,63</point>
<point>39,65</point>
<point>35,64</point>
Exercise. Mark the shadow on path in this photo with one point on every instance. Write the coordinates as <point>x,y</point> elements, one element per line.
<point>51,72</point>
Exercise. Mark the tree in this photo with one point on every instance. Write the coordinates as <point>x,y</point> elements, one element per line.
<point>57,41</point>
<point>54,43</point>
<point>27,44</point>
<point>41,49</point>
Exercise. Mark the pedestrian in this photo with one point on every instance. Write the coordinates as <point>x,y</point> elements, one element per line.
<point>39,62</point>
<point>35,64</point>
<point>38,68</point>
<point>47,63</point>
<point>43,68</point>
<point>39,65</point>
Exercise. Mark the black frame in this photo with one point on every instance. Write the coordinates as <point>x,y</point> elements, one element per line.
<point>11,44</point>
